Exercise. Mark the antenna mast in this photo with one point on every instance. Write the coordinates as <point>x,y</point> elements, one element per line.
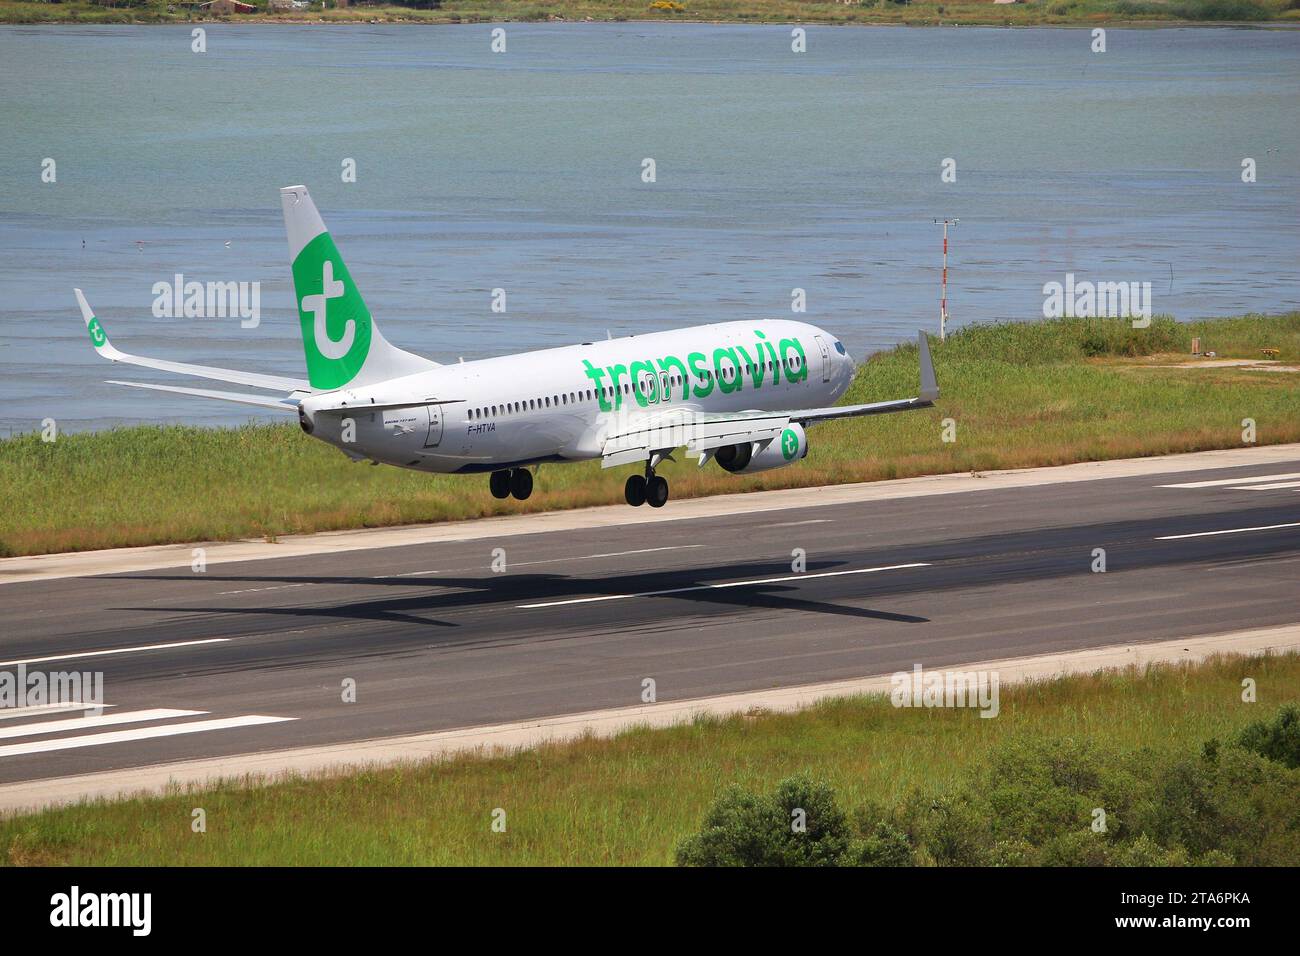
<point>943,293</point>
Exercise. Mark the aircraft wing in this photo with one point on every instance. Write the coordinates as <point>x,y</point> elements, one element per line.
<point>99,339</point>
<point>703,433</point>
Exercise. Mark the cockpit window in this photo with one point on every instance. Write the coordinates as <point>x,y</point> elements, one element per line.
<point>839,347</point>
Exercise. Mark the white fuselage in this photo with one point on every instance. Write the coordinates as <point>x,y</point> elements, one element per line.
<point>559,404</point>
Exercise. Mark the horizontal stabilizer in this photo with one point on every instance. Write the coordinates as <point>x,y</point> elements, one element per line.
<point>99,339</point>
<point>243,398</point>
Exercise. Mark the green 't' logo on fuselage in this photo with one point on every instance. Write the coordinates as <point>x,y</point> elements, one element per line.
<point>335,321</point>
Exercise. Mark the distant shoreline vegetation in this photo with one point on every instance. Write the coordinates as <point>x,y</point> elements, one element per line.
<point>811,12</point>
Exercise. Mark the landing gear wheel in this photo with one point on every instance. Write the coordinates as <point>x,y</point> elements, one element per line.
<point>656,492</point>
<point>521,483</point>
<point>500,484</point>
<point>635,490</point>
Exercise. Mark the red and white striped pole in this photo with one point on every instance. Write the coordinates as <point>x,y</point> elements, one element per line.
<point>943,294</point>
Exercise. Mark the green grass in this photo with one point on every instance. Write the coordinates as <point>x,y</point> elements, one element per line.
<point>1022,395</point>
<point>923,12</point>
<point>631,799</point>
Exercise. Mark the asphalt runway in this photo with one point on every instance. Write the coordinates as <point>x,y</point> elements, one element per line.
<point>252,656</point>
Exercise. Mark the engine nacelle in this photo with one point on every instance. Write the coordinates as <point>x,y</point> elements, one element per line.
<point>785,449</point>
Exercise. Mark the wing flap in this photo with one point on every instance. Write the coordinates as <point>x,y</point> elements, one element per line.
<point>698,432</point>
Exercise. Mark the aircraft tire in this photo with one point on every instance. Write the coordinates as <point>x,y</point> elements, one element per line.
<point>635,490</point>
<point>656,492</point>
<point>499,482</point>
<point>521,483</point>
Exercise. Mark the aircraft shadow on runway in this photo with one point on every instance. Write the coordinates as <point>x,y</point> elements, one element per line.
<point>451,593</point>
<point>997,559</point>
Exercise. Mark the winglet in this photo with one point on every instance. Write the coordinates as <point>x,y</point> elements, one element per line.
<point>98,337</point>
<point>929,386</point>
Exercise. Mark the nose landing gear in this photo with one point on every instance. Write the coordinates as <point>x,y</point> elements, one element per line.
<point>515,481</point>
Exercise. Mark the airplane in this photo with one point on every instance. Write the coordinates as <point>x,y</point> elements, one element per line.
<point>742,394</point>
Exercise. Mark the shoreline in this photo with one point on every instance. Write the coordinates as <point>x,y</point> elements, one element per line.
<point>922,13</point>
<point>399,21</point>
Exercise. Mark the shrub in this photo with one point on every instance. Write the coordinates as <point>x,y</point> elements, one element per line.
<point>743,829</point>
<point>1278,739</point>
<point>885,845</point>
<point>1032,804</point>
<point>1222,10</point>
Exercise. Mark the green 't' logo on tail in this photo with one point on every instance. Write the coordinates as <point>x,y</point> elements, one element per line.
<point>335,321</point>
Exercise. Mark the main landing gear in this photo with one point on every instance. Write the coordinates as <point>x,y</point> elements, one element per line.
<point>648,489</point>
<point>516,481</point>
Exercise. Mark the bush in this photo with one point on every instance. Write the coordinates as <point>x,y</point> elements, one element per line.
<point>1132,8</point>
<point>1034,803</point>
<point>885,845</point>
<point>747,830</point>
<point>1232,10</point>
<point>1236,807</point>
<point>1278,739</point>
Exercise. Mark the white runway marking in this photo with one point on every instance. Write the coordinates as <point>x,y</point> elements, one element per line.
<point>139,733</point>
<point>113,650</point>
<point>528,564</point>
<point>1270,487</point>
<point>611,554</point>
<point>1225,482</point>
<point>1206,534</point>
<point>88,723</point>
<point>9,713</point>
<point>274,587</point>
<point>715,587</point>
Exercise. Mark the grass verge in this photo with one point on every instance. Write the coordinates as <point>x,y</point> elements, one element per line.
<point>1021,394</point>
<point>634,798</point>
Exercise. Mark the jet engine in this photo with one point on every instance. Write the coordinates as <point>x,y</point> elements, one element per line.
<point>748,457</point>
